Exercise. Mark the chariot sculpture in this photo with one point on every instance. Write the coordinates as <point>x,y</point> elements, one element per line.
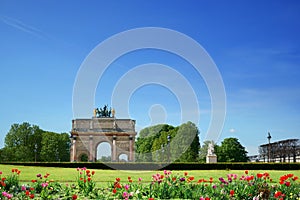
<point>104,112</point>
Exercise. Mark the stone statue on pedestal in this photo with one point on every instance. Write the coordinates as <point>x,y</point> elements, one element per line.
<point>211,156</point>
<point>211,149</point>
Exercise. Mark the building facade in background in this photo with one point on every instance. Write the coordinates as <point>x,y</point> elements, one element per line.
<point>280,151</point>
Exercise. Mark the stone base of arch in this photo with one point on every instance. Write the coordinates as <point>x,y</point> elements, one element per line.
<point>87,134</point>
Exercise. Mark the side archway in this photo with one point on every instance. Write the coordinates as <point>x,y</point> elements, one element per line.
<point>123,157</point>
<point>83,157</point>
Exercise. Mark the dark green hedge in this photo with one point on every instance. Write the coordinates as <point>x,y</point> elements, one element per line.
<point>235,166</point>
<point>172,166</point>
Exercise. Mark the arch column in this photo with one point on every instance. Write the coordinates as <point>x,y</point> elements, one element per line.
<point>131,158</point>
<point>114,148</point>
<point>74,150</point>
<point>91,152</point>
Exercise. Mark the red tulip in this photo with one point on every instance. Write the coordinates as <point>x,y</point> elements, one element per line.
<point>74,196</point>
<point>288,183</point>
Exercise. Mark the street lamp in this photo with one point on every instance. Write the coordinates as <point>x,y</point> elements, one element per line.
<point>294,152</point>
<point>168,138</point>
<point>162,152</point>
<point>35,152</point>
<point>168,144</point>
<point>269,138</point>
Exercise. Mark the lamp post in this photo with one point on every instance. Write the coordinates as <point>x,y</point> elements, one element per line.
<point>169,153</point>
<point>35,152</point>
<point>269,138</point>
<point>294,152</point>
<point>162,152</point>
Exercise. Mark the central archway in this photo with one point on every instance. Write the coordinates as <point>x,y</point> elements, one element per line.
<point>103,152</point>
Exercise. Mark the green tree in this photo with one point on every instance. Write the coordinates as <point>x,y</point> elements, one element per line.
<point>151,131</point>
<point>143,149</point>
<point>21,142</point>
<point>153,145</point>
<point>231,150</point>
<point>104,159</point>
<point>55,147</point>
<point>186,144</point>
<point>157,151</point>
<point>64,144</point>
<point>25,142</point>
<point>148,144</point>
<point>49,151</point>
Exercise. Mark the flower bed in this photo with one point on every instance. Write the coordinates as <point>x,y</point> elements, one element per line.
<point>164,185</point>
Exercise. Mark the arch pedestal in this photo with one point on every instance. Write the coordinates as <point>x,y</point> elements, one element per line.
<point>87,134</point>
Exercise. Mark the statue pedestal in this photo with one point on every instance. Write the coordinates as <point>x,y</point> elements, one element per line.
<point>211,159</point>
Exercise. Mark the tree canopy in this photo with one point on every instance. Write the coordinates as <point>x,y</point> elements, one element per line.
<point>183,143</point>
<point>26,142</point>
<point>231,150</point>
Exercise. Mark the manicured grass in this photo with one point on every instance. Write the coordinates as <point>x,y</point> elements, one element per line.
<point>102,177</point>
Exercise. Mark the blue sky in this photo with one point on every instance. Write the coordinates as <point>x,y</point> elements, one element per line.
<point>255,45</point>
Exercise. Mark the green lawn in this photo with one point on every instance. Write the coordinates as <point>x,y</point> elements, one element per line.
<point>105,176</point>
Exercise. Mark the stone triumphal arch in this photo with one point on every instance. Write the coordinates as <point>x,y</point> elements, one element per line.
<point>87,134</point>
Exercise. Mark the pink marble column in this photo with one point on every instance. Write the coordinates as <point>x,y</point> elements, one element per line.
<point>74,150</point>
<point>130,148</point>
<point>91,149</point>
<point>114,149</point>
